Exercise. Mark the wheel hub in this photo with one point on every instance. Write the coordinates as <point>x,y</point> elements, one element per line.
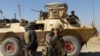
<point>69,47</point>
<point>10,48</point>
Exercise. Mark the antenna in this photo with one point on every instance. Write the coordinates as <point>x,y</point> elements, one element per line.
<point>93,22</point>
<point>19,11</point>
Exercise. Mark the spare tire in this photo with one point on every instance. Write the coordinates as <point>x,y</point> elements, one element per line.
<point>10,47</point>
<point>72,45</point>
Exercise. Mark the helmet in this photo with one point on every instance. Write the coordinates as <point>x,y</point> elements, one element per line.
<point>72,11</point>
<point>57,25</point>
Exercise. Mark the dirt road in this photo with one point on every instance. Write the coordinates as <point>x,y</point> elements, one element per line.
<point>92,48</point>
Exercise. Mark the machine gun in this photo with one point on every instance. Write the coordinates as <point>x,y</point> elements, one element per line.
<point>36,10</point>
<point>42,15</point>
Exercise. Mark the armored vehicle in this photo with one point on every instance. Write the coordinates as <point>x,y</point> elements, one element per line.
<point>73,33</point>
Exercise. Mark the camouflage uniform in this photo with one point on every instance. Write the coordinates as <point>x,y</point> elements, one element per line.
<point>54,43</point>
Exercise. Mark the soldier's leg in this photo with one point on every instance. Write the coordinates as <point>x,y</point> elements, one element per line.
<point>49,51</point>
<point>32,53</point>
<point>46,51</point>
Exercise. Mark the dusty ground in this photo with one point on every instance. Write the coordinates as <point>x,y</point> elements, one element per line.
<point>1,54</point>
<point>92,48</point>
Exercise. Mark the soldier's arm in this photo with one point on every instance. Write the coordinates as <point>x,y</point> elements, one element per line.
<point>48,37</point>
<point>54,38</point>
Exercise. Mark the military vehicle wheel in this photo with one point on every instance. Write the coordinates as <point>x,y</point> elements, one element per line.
<point>10,47</point>
<point>72,45</point>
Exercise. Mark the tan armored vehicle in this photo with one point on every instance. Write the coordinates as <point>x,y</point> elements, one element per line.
<point>73,33</point>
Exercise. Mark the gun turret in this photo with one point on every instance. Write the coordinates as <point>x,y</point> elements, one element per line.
<point>57,10</point>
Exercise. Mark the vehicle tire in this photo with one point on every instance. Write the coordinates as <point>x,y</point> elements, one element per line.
<point>10,47</point>
<point>72,45</point>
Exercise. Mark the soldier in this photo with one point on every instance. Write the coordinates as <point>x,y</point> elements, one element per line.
<point>31,38</point>
<point>73,15</point>
<point>43,15</point>
<point>54,41</point>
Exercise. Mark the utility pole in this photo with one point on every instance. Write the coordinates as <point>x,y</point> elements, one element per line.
<point>15,15</point>
<point>19,11</point>
<point>93,22</point>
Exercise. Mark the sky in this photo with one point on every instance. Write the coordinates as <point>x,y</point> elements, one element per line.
<point>83,9</point>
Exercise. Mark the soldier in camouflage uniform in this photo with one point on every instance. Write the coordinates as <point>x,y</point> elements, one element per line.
<point>54,42</point>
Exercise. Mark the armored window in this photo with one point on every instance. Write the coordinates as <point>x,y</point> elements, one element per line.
<point>55,12</point>
<point>39,26</point>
